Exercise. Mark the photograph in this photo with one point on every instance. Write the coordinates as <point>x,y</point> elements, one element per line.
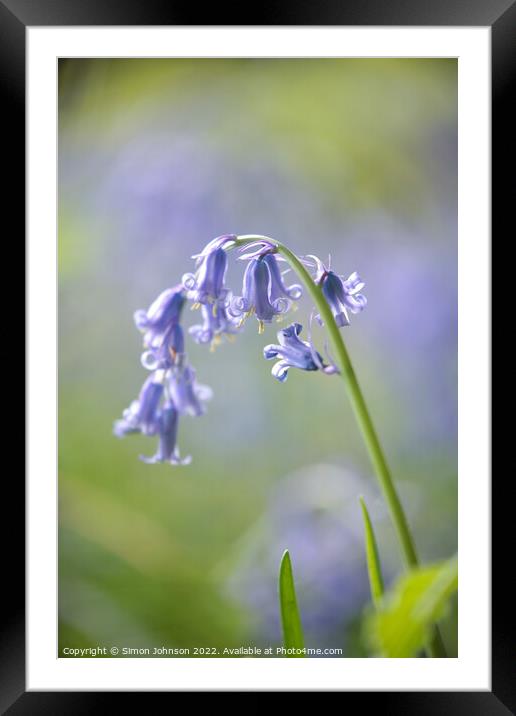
<point>257,357</point>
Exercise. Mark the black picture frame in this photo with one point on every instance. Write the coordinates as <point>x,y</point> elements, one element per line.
<point>15,17</point>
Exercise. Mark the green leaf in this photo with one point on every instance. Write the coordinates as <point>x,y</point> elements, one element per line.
<point>373,560</point>
<point>403,624</point>
<point>290,618</point>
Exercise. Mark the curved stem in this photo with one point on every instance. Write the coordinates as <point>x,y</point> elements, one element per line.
<point>436,648</point>
<point>361,413</point>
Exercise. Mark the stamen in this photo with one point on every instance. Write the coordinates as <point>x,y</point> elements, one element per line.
<point>195,306</point>
<point>261,327</point>
<point>244,318</point>
<point>217,340</point>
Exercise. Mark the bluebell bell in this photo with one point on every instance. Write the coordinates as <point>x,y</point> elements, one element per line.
<point>216,322</point>
<point>257,294</point>
<point>343,295</point>
<point>167,430</point>
<point>165,310</point>
<point>292,353</point>
<point>163,336</point>
<point>185,393</point>
<point>207,284</point>
<point>142,415</point>
<point>279,296</point>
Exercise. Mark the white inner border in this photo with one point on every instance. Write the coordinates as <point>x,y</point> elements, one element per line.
<point>471,670</point>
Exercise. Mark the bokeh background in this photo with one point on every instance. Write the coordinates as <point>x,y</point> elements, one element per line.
<point>353,157</point>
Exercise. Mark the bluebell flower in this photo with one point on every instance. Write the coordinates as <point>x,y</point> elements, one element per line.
<point>207,284</point>
<point>257,294</point>
<point>216,322</point>
<point>270,294</point>
<point>167,429</point>
<point>186,394</point>
<point>162,334</point>
<point>142,415</point>
<point>182,396</point>
<point>343,295</point>
<point>165,310</point>
<point>292,353</point>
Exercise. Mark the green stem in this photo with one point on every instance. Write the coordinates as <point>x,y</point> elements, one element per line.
<point>436,648</point>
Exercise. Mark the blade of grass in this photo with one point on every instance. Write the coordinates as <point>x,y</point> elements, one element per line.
<point>373,561</point>
<point>290,618</point>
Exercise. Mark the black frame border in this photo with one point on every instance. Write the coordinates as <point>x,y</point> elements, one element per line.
<point>500,15</point>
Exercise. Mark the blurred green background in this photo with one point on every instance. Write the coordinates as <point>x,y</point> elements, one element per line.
<point>357,158</point>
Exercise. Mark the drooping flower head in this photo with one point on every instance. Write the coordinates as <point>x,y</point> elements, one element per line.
<point>206,285</point>
<point>343,295</point>
<point>294,353</point>
<point>172,389</point>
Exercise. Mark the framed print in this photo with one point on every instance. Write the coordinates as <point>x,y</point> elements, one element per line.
<point>258,358</point>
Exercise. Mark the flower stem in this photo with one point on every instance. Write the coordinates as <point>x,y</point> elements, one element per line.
<point>436,647</point>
